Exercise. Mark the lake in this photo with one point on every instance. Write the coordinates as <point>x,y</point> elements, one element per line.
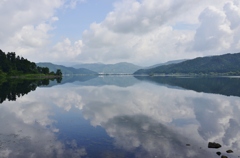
<point>120,116</point>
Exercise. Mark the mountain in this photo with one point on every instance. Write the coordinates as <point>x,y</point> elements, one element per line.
<point>166,63</point>
<point>122,67</point>
<point>66,70</point>
<point>223,64</point>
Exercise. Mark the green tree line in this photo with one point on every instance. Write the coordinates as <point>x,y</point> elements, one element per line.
<point>13,65</point>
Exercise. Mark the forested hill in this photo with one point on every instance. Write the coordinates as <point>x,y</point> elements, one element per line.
<point>67,70</point>
<point>11,64</point>
<point>227,64</point>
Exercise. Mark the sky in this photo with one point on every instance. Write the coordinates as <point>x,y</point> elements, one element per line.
<point>143,32</point>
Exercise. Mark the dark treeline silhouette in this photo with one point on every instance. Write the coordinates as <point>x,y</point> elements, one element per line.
<point>11,64</point>
<point>12,89</point>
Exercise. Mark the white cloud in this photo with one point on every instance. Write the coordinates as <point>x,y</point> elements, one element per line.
<point>232,11</point>
<point>17,14</point>
<point>73,3</point>
<point>219,29</point>
<point>30,36</point>
<point>136,31</point>
<point>213,32</point>
<point>143,32</point>
<point>233,14</point>
<point>100,44</point>
<point>54,19</point>
<point>143,16</point>
<point>65,50</point>
<point>26,24</point>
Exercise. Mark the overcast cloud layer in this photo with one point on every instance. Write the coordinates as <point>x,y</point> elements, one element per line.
<point>138,31</point>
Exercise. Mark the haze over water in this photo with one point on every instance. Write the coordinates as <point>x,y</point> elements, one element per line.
<point>123,116</point>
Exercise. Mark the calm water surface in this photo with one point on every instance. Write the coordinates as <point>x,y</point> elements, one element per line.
<point>122,116</point>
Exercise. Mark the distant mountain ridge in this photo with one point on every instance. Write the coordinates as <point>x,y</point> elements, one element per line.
<point>66,70</point>
<point>166,63</point>
<point>221,64</point>
<point>122,67</point>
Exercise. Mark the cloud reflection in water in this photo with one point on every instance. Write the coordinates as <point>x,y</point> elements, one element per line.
<point>144,119</point>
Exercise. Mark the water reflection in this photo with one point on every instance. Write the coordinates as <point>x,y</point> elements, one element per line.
<point>218,85</point>
<point>14,88</point>
<point>27,131</point>
<point>141,120</point>
<point>148,138</point>
<point>94,80</point>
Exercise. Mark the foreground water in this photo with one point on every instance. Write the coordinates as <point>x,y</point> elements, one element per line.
<point>122,116</point>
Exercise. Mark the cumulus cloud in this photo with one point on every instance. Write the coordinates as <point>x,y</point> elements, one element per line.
<point>16,14</point>
<point>219,30</point>
<point>143,16</point>
<point>232,11</point>
<point>100,44</point>
<point>142,32</point>
<point>147,32</point>
<point>136,31</point>
<point>33,36</point>
<point>66,49</point>
<point>213,33</point>
<point>233,14</point>
<point>26,24</point>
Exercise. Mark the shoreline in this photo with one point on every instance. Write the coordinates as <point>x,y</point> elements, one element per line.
<point>34,76</point>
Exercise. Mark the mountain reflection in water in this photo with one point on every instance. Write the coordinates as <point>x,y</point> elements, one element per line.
<point>218,85</point>
<point>88,118</point>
